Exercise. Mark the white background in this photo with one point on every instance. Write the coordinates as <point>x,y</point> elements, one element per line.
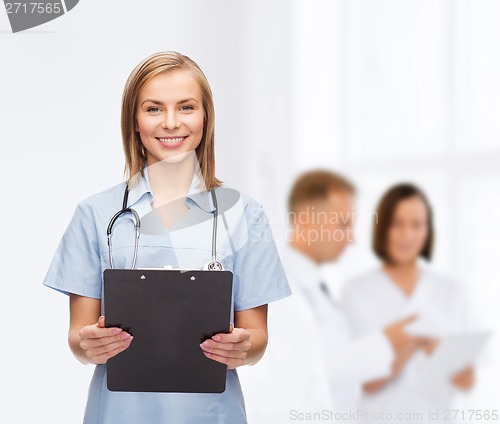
<point>383,91</point>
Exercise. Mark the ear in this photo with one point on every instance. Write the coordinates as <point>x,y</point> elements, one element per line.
<point>136,126</point>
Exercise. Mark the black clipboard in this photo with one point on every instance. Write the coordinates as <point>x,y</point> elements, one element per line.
<point>169,313</point>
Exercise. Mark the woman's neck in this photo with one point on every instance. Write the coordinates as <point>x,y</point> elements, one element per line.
<point>404,275</point>
<point>170,180</point>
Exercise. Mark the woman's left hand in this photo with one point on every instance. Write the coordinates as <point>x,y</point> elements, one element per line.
<point>228,348</point>
<point>464,380</point>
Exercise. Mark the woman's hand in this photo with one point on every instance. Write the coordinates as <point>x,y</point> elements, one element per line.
<point>100,343</point>
<point>464,380</point>
<point>228,348</point>
<point>400,361</point>
<point>403,355</point>
<point>243,345</point>
<point>428,344</point>
<point>397,335</point>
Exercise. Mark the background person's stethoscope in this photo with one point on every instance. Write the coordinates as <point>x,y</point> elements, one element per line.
<point>213,265</point>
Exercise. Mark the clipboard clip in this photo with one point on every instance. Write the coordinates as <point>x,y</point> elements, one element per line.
<point>213,265</point>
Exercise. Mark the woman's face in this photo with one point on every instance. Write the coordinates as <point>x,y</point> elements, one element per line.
<point>408,231</point>
<point>169,116</point>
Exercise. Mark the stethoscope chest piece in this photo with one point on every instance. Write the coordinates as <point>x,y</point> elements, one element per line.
<point>214,266</point>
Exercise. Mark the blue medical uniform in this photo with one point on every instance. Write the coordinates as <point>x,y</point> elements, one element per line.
<point>244,245</point>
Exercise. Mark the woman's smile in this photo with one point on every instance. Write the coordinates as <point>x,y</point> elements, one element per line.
<point>171,141</point>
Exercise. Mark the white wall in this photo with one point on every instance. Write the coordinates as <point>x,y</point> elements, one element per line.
<point>389,91</point>
<point>381,90</point>
<point>61,86</point>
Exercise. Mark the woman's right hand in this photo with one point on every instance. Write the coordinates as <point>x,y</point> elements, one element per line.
<point>401,341</point>
<point>100,343</point>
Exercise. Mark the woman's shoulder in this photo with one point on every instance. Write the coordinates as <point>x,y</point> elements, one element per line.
<point>441,281</point>
<point>231,198</point>
<point>102,204</point>
<point>110,198</point>
<point>244,217</point>
<point>355,288</point>
<point>245,197</point>
<point>365,278</point>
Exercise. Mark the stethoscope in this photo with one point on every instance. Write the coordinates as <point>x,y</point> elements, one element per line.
<point>213,265</point>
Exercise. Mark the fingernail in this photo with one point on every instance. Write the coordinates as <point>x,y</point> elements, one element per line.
<point>117,330</point>
<point>125,336</point>
<point>129,340</point>
<point>206,343</point>
<point>216,338</point>
<point>207,354</point>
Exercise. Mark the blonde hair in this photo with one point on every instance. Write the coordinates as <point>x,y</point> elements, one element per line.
<point>135,153</point>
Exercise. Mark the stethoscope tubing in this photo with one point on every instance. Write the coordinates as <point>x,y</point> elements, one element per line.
<point>137,226</point>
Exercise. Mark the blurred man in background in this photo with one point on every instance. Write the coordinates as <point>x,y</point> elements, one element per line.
<point>312,362</point>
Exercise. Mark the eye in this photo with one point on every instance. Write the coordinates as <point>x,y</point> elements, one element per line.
<point>187,107</point>
<point>153,109</point>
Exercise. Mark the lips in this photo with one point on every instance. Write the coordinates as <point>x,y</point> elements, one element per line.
<point>171,141</point>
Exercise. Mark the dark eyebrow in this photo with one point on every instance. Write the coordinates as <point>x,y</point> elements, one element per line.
<point>157,102</point>
<point>187,100</point>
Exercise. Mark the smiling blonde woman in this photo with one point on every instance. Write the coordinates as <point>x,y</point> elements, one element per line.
<point>168,140</point>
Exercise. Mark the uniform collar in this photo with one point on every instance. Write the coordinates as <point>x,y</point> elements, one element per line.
<point>195,195</point>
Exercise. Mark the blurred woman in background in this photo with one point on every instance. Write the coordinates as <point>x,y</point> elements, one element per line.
<point>403,285</point>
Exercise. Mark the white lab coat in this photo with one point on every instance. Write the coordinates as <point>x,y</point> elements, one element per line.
<point>312,362</point>
<point>372,301</point>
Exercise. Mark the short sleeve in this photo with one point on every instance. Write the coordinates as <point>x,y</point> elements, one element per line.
<point>76,267</point>
<point>258,273</point>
